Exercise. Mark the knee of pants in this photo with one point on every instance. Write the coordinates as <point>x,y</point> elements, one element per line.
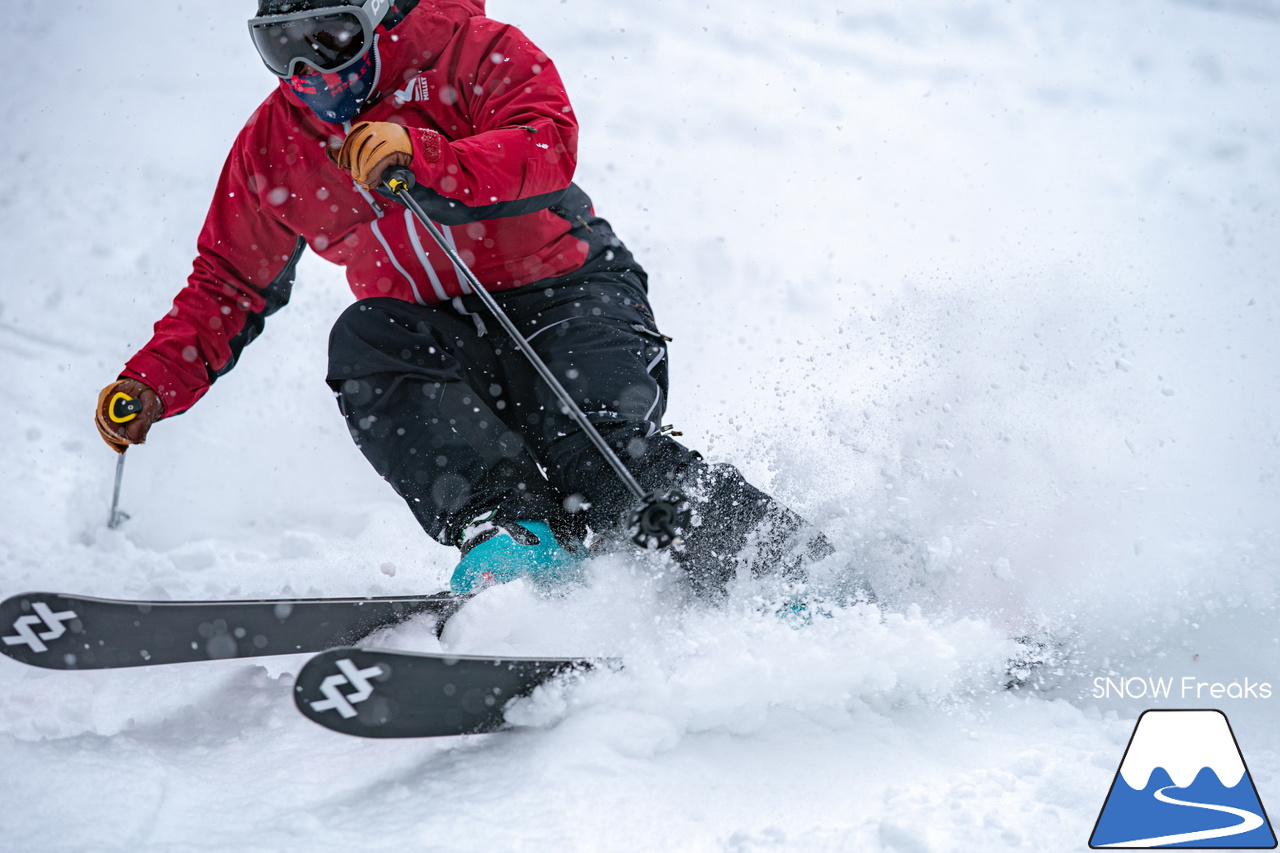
<point>364,320</point>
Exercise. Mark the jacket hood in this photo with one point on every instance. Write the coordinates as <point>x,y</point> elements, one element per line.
<point>418,40</point>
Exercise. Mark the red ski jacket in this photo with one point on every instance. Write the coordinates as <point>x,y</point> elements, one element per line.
<point>495,144</point>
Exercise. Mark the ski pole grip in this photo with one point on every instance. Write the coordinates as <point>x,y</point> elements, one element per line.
<point>398,179</point>
<point>660,521</point>
<point>124,408</point>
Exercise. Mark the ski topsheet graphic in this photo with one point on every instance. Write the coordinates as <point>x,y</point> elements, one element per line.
<point>1183,783</point>
<point>379,693</point>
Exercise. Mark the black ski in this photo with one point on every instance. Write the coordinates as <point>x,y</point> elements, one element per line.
<point>386,694</point>
<point>73,632</point>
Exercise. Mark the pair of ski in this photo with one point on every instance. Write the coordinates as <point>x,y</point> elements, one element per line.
<point>365,692</point>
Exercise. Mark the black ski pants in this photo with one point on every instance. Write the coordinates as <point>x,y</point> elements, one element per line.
<point>454,417</point>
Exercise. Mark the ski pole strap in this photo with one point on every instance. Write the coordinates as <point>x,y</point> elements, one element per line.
<point>399,182</point>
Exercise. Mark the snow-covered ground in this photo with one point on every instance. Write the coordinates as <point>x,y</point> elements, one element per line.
<point>987,289</point>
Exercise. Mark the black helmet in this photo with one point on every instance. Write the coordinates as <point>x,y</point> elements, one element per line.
<point>284,7</point>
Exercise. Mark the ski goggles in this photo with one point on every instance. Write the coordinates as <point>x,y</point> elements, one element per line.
<point>328,39</point>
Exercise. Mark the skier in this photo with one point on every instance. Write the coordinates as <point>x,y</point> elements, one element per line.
<point>439,401</point>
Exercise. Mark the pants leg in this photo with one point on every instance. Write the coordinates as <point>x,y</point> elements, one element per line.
<point>599,339</point>
<point>458,422</point>
<point>417,386</point>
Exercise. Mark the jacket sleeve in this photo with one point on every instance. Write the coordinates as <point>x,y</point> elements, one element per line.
<point>523,153</point>
<point>243,272</point>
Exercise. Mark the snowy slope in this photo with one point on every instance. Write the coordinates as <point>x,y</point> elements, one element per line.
<point>988,290</point>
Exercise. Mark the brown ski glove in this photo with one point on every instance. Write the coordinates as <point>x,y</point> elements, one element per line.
<point>371,148</point>
<point>126,410</point>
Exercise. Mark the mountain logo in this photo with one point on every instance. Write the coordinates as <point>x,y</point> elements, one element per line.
<point>1183,783</point>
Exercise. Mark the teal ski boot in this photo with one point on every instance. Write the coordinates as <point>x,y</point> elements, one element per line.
<point>497,550</point>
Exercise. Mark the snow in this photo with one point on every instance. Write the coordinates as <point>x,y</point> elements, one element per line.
<point>1198,739</point>
<point>988,290</point>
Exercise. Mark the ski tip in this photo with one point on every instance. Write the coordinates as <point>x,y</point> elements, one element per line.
<point>37,628</point>
<point>346,691</point>
<point>387,694</point>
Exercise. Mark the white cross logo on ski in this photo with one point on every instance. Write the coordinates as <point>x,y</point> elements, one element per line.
<point>335,699</point>
<point>52,621</point>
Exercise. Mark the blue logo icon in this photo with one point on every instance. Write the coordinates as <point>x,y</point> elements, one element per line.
<point>1183,783</point>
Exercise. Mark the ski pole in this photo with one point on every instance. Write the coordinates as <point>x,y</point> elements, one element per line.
<point>660,518</point>
<point>121,410</point>
<point>117,517</point>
